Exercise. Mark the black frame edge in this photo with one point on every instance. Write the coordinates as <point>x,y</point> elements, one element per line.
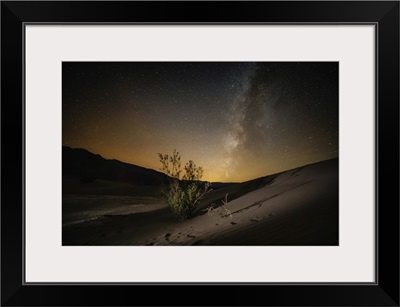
<point>384,13</point>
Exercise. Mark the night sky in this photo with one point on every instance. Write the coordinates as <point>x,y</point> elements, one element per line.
<point>239,120</point>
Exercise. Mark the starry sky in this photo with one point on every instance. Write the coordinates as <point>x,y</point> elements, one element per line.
<point>238,120</point>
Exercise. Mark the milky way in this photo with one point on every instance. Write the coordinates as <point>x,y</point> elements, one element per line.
<point>239,120</point>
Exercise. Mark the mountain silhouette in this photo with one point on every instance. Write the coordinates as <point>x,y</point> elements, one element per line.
<point>87,166</point>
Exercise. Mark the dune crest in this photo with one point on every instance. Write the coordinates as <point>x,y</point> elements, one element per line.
<point>296,207</point>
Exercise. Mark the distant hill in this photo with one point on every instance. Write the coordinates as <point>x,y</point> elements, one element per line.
<point>87,166</point>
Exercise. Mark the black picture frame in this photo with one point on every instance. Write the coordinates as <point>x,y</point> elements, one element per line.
<point>383,14</point>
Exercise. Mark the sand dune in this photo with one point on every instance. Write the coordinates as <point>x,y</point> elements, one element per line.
<point>296,207</point>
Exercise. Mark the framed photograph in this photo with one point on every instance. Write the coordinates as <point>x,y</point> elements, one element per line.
<point>241,146</point>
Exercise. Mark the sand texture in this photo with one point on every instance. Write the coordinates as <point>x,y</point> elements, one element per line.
<point>296,207</point>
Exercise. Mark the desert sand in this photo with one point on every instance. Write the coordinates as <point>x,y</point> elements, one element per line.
<point>296,207</point>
